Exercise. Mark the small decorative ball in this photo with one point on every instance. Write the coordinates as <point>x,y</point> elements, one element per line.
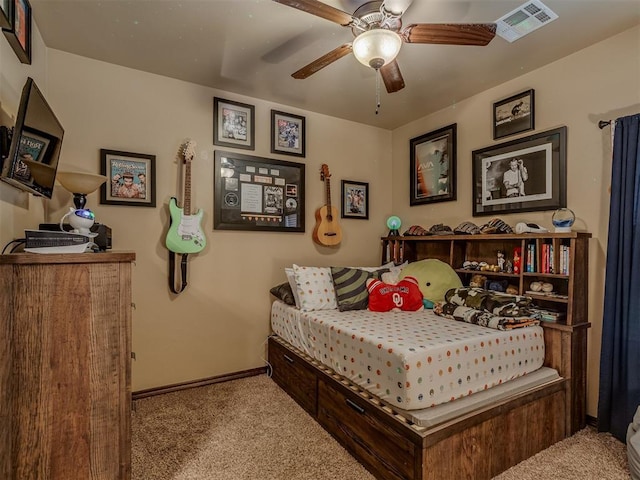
<point>563,219</point>
<point>535,286</point>
<point>547,287</point>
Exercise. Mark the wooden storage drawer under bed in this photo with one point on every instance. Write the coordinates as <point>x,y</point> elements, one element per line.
<point>294,376</point>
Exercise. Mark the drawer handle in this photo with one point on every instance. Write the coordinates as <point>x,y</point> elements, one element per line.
<point>355,406</point>
<point>288,358</point>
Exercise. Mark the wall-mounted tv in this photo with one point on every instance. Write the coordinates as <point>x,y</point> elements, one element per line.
<point>32,161</point>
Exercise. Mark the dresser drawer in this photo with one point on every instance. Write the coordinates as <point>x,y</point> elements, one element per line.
<point>294,376</point>
<point>366,433</point>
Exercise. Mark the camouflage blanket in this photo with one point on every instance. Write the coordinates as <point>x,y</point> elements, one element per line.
<point>487,308</point>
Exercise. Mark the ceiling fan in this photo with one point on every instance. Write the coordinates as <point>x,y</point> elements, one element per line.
<point>377,28</point>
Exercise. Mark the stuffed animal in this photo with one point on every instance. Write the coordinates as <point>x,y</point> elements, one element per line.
<point>434,277</point>
<point>478,280</point>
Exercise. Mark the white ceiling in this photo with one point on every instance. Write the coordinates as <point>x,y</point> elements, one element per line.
<point>251,47</point>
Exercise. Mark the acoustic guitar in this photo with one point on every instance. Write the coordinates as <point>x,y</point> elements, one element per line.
<point>327,232</point>
<point>185,234</point>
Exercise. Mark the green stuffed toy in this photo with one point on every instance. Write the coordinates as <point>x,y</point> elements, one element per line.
<point>435,278</point>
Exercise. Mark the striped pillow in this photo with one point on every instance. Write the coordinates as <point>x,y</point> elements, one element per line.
<point>351,287</point>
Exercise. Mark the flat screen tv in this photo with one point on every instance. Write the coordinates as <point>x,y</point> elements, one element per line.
<point>32,161</point>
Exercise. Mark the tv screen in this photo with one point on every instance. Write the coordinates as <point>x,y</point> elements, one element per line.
<point>36,140</point>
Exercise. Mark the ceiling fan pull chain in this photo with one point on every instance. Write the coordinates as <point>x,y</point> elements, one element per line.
<point>377,91</point>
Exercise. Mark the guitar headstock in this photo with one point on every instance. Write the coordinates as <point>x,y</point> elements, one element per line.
<point>324,172</point>
<point>188,151</point>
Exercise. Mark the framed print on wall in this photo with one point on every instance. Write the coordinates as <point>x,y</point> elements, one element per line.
<point>287,133</point>
<point>5,14</point>
<point>19,32</point>
<point>233,124</point>
<point>355,199</point>
<point>258,194</point>
<point>514,115</point>
<point>523,175</point>
<point>433,166</point>
<point>132,178</point>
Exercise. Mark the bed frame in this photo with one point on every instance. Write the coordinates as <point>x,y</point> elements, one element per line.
<point>477,445</point>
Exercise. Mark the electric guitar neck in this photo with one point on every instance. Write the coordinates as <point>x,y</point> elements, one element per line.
<point>185,233</point>
<point>327,231</point>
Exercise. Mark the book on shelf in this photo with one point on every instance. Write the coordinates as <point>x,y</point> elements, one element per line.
<point>546,294</point>
<point>549,315</point>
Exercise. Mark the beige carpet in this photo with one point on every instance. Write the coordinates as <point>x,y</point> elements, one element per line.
<point>249,429</point>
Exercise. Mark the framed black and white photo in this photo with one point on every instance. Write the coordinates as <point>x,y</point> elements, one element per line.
<point>258,194</point>
<point>523,175</point>
<point>513,115</point>
<point>355,199</point>
<point>433,166</point>
<point>233,124</point>
<point>5,14</point>
<point>131,178</point>
<point>287,133</point>
<point>19,31</point>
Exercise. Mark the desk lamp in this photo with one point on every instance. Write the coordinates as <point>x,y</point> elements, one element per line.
<point>80,184</point>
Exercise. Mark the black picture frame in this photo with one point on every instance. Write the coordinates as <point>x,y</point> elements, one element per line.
<point>287,133</point>
<point>118,166</point>
<point>233,124</point>
<point>515,114</point>
<point>257,194</point>
<point>355,200</point>
<point>433,158</point>
<point>544,158</point>
<point>19,32</point>
<point>5,14</point>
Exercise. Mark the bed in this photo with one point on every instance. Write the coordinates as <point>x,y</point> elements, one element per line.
<point>493,399</point>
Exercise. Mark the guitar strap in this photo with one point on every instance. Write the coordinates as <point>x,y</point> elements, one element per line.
<point>172,272</point>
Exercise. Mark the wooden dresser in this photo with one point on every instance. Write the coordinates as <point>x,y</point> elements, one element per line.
<point>65,371</point>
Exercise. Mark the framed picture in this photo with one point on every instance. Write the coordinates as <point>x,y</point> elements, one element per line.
<point>132,178</point>
<point>513,115</point>
<point>233,124</point>
<point>5,14</point>
<point>259,194</point>
<point>287,133</point>
<point>355,200</point>
<point>523,175</point>
<point>433,166</point>
<point>19,32</point>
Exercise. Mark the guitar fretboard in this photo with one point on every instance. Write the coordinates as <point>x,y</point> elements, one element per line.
<point>187,188</point>
<point>327,184</point>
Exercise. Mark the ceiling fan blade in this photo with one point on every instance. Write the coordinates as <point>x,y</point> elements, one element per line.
<point>392,77</point>
<point>323,61</point>
<point>396,7</point>
<point>319,9</point>
<point>450,33</point>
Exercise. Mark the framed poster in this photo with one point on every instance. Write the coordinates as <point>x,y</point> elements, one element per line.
<point>523,175</point>
<point>132,179</point>
<point>355,199</point>
<point>433,166</point>
<point>5,14</point>
<point>19,33</point>
<point>233,124</point>
<point>259,194</point>
<point>514,115</point>
<point>287,133</point>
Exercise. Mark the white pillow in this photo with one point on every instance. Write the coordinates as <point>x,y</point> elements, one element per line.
<point>315,288</point>
<point>291,278</point>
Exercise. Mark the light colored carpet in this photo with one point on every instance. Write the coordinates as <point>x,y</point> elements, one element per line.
<point>249,429</point>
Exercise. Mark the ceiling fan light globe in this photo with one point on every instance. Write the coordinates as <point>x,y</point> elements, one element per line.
<point>376,48</point>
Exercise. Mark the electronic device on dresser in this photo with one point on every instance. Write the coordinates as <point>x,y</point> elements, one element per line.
<point>102,239</point>
<point>34,144</point>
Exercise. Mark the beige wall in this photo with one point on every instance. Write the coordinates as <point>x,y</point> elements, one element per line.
<point>599,82</point>
<point>220,323</point>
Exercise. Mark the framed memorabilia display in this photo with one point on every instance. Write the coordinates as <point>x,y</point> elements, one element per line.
<point>19,32</point>
<point>259,194</point>
<point>514,115</point>
<point>287,134</point>
<point>433,166</point>
<point>355,199</point>
<point>5,14</point>
<point>523,175</point>
<point>131,179</point>
<point>233,124</point>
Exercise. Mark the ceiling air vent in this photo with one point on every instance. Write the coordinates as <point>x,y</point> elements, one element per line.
<point>524,20</point>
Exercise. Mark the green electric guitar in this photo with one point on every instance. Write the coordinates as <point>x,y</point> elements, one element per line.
<point>185,234</point>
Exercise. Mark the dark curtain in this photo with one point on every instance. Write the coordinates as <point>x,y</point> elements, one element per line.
<point>620,358</point>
